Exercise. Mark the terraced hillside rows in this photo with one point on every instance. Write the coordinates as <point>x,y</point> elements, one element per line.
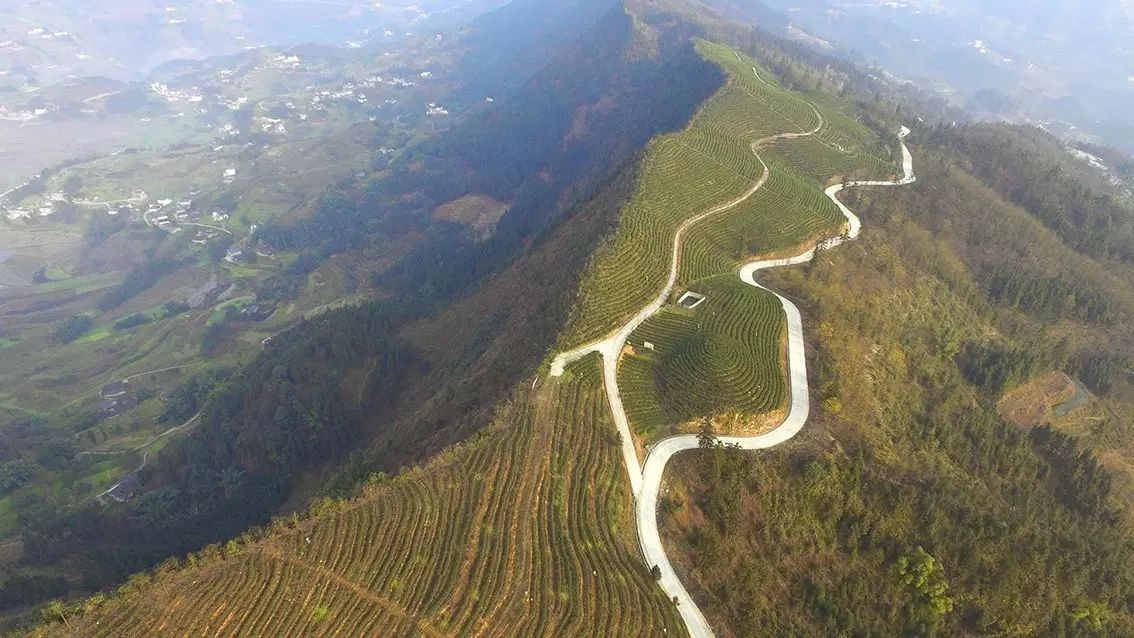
<point>684,173</point>
<point>722,358</point>
<point>698,367</point>
<point>781,205</point>
<point>787,211</point>
<point>526,531</point>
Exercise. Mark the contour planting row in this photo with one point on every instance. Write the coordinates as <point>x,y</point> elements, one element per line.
<point>685,173</point>
<point>524,532</point>
<point>786,212</point>
<point>820,162</point>
<point>846,131</point>
<point>677,182</point>
<point>724,356</point>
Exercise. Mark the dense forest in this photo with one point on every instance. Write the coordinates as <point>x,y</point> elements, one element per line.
<point>1031,169</point>
<point>288,409</point>
<point>911,507</point>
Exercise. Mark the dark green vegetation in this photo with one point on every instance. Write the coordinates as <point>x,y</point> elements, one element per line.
<point>909,507</point>
<point>1033,172</point>
<point>73,328</point>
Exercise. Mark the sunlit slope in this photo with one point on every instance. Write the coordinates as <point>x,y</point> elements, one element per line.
<point>720,358</point>
<point>525,531</point>
<point>711,162</point>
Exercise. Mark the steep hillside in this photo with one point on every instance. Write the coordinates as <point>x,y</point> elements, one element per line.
<point>370,387</point>
<point>907,505</point>
<point>524,531</point>
<point>908,468</point>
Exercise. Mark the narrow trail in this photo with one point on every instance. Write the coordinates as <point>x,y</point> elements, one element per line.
<point>145,455</point>
<point>645,480</point>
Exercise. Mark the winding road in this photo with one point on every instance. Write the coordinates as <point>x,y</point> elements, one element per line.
<point>646,481</point>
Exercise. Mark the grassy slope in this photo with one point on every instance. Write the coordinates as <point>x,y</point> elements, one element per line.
<point>705,164</point>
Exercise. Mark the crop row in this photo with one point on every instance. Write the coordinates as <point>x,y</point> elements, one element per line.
<point>685,173</point>
<point>723,356</point>
<point>524,532</point>
<point>820,161</point>
<point>788,211</point>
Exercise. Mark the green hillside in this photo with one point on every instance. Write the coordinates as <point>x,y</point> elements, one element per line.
<point>709,163</point>
<point>909,466</point>
<point>912,502</point>
<point>722,359</point>
<point>524,531</point>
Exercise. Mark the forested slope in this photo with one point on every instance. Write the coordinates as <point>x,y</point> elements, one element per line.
<point>911,506</point>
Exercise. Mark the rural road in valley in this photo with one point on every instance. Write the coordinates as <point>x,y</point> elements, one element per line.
<point>645,481</point>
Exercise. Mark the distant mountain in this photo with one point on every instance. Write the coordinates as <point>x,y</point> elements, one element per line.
<point>44,41</point>
<point>1067,65</point>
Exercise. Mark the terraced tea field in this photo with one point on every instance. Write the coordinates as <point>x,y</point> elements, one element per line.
<point>710,162</point>
<point>723,357</point>
<point>525,531</point>
<point>787,211</point>
<point>528,530</point>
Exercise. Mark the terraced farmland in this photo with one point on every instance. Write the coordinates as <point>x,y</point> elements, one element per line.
<point>524,532</point>
<point>684,173</point>
<point>709,163</point>
<point>723,357</point>
<point>787,211</point>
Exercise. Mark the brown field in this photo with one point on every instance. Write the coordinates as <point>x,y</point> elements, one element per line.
<point>1033,403</point>
<point>480,212</point>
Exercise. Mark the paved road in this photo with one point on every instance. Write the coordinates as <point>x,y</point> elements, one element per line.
<point>611,346</point>
<point>646,514</point>
<point>645,481</point>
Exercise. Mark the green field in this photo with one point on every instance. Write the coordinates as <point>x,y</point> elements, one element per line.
<point>711,162</point>
<point>723,357</point>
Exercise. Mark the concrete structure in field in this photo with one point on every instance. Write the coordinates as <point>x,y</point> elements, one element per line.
<point>691,300</point>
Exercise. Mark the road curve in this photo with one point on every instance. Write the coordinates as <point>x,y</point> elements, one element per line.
<point>611,346</point>
<point>649,539</point>
<point>645,481</point>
